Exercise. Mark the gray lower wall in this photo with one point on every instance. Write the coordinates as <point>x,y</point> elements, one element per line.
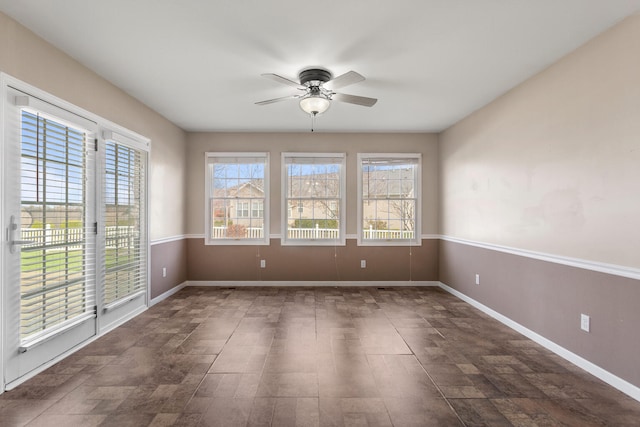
<point>548,299</point>
<point>312,263</point>
<point>173,256</point>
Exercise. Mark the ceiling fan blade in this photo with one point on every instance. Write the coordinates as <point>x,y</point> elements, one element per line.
<point>345,79</point>
<point>271,101</point>
<point>353,99</point>
<point>283,80</point>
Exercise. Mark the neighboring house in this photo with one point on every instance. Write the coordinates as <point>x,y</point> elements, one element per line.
<point>242,205</point>
<point>388,199</point>
<point>388,202</point>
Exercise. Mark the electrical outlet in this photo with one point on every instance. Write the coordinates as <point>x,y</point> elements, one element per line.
<point>585,322</point>
<point>263,263</point>
<point>164,271</point>
<point>363,263</point>
<point>477,279</point>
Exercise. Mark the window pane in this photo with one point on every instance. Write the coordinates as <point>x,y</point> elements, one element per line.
<point>124,228</point>
<point>313,197</point>
<point>388,198</point>
<point>57,266</point>
<point>237,191</point>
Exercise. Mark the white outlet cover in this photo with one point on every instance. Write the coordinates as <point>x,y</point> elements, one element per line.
<point>585,322</point>
<point>263,263</point>
<point>363,263</point>
<point>477,279</point>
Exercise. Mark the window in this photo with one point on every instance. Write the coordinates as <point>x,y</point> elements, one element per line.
<point>58,266</point>
<point>237,186</point>
<point>389,199</point>
<point>125,230</point>
<point>313,189</point>
<point>242,209</point>
<point>257,209</point>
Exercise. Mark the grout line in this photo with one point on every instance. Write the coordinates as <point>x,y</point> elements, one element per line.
<point>425,370</point>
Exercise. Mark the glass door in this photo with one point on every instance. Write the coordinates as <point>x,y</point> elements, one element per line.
<point>123,218</point>
<point>50,252</point>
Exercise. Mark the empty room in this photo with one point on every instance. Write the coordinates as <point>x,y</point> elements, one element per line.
<point>285,213</point>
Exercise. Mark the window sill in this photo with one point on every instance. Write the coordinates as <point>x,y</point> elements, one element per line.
<point>236,242</point>
<point>407,243</point>
<point>313,242</point>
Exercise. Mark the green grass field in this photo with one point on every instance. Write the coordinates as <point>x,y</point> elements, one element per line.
<point>70,260</point>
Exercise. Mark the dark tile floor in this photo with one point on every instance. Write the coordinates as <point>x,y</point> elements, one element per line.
<point>315,356</point>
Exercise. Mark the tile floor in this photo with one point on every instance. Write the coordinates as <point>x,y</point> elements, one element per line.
<point>315,356</point>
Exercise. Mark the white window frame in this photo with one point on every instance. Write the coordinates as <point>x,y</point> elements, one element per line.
<point>341,240</point>
<point>417,240</point>
<point>52,112</point>
<point>209,240</point>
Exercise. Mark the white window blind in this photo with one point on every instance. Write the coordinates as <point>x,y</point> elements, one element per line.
<point>58,267</point>
<point>389,193</point>
<point>237,186</point>
<point>125,231</point>
<point>313,189</point>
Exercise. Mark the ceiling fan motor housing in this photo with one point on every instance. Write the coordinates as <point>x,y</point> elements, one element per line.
<point>314,74</point>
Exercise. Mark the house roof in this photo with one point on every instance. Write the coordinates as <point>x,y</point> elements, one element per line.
<point>252,188</point>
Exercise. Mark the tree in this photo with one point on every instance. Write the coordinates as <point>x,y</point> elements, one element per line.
<point>404,210</point>
<point>237,230</point>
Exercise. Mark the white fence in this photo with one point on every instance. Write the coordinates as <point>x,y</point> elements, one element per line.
<point>313,233</point>
<point>237,232</point>
<point>115,237</point>
<point>310,233</point>
<point>294,233</point>
<point>387,234</point>
<point>126,236</point>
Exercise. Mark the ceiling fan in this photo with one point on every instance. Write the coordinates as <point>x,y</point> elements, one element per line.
<point>317,87</point>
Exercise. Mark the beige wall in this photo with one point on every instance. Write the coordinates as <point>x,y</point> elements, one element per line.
<point>31,59</point>
<point>554,165</point>
<point>276,143</point>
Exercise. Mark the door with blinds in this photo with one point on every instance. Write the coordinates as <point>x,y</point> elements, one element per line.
<point>124,227</point>
<point>75,258</point>
<point>50,256</point>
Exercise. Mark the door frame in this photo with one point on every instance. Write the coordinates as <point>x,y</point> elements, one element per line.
<point>5,237</point>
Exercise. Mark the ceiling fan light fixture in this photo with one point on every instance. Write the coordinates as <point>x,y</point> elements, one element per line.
<point>315,104</point>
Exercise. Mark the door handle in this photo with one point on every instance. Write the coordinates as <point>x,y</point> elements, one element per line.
<point>13,227</point>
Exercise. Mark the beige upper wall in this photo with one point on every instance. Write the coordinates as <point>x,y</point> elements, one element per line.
<point>276,143</point>
<point>31,59</point>
<point>554,165</point>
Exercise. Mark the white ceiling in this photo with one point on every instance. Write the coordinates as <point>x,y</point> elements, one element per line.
<point>429,62</point>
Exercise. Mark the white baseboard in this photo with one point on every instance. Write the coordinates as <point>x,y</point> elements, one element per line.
<point>606,376</point>
<point>168,293</point>
<point>305,283</point>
